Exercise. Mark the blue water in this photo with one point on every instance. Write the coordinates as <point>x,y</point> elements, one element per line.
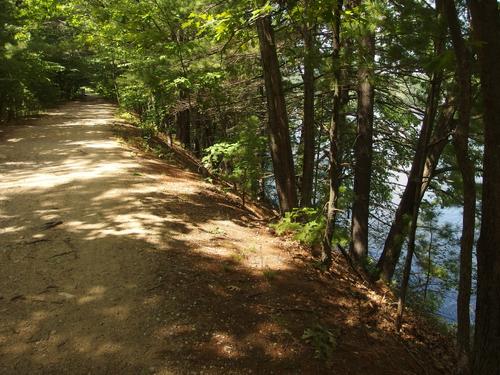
<point>453,216</point>
<point>448,309</point>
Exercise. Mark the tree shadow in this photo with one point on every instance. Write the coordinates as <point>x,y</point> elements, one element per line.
<point>150,271</point>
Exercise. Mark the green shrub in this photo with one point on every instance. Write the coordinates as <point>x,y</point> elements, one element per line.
<point>306,224</point>
<point>239,161</point>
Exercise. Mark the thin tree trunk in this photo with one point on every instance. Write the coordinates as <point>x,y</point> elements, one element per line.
<point>461,143</point>
<point>426,131</point>
<point>407,267</point>
<point>333,135</point>
<point>363,151</point>
<point>316,173</point>
<point>308,123</point>
<point>279,137</point>
<point>413,191</point>
<point>486,30</point>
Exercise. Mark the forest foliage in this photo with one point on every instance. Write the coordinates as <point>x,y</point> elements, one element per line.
<point>196,65</point>
<point>349,117</point>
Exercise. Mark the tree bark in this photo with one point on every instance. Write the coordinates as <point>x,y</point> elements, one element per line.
<point>337,118</point>
<point>486,31</point>
<point>408,261</point>
<point>399,229</point>
<point>424,143</point>
<point>308,122</point>
<point>279,137</point>
<point>427,167</point>
<point>466,166</point>
<point>363,150</point>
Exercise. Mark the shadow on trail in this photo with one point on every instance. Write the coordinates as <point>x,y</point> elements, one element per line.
<point>150,272</point>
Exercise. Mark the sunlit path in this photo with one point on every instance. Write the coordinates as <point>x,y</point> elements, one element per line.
<point>99,250</point>
<point>118,263</point>
<point>269,187</point>
<point>78,291</point>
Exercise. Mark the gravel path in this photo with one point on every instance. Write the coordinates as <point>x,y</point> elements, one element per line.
<point>115,262</point>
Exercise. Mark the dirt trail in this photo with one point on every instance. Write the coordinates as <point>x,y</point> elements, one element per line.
<point>116,263</point>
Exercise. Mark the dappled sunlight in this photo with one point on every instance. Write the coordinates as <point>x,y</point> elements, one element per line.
<point>76,226</point>
<point>94,294</point>
<point>106,145</point>
<point>138,225</point>
<point>174,330</point>
<point>107,348</point>
<point>86,344</point>
<point>11,229</point>
<point>38,181</point>
<point>130,265</point>
<point>27,329</point>
<point>271,347</point>
<point>126,193</point>
<point>117,312</point>
<point>19,164</point>
<point>226,345</point>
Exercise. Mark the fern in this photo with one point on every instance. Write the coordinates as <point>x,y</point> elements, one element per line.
<point>306,224</point>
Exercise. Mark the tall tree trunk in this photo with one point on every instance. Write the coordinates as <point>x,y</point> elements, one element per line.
<point>279,137</point>
<point>308,122</point>
<point>334,172</point>
<point>461,143</point>
<point>486,30</point>
<point>399,229</point>
<point>363,150</point>
<point>424,143</point>
<point>427,167</point>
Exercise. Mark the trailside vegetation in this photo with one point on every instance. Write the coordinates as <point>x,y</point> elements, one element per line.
<point>370,126</point>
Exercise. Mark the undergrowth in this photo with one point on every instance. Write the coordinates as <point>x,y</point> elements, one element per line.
<point>306,225</point>
<point>322,340</point>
